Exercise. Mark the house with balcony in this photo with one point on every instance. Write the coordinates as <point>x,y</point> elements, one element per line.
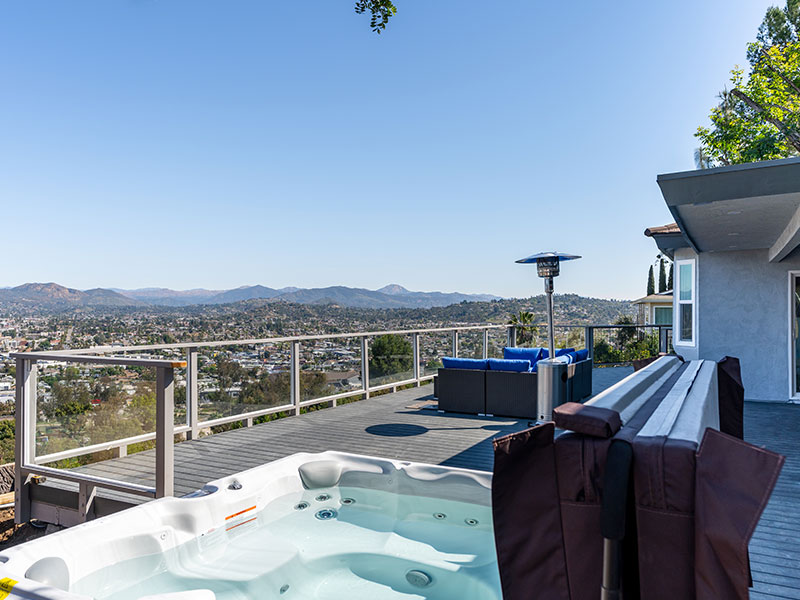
<point>735,246</point>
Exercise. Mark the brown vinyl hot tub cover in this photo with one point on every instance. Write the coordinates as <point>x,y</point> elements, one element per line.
<point>688,518</point>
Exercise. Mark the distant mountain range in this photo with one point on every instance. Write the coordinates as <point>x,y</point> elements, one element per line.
<point>57,297</point>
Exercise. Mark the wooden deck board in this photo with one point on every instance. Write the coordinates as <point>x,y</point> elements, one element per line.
<point>775,547</point>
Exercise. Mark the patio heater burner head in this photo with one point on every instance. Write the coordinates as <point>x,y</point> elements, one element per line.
<point>547,263</point>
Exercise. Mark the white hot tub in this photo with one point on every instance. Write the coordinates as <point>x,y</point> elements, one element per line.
<point>324,526</point>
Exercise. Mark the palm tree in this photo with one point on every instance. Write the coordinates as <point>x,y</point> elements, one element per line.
<point>526,330</point>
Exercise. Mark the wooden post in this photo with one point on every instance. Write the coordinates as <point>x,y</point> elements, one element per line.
<point>415,351</point>
<point>25,442</point>
<point>165,432</point>
<point>365,366</point>
<point>512,337</point>
<point>86,496</point>
<point>295,376</point>
<point>192,394</point>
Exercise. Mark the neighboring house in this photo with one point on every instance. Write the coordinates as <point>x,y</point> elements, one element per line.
<point>737,270</point>
<point>655,309</point>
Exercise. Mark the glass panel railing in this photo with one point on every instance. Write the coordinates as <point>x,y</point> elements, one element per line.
<point>233,380</point>
<point>81,405</point>
<point>329,367</point>
<point>391,359</point>
<point>432,347</point>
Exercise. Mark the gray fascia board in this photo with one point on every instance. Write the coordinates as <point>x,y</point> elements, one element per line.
<point>766,178</point>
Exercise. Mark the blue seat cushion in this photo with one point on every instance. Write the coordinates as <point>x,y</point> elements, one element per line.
<point>448,362</point>
<point>581,355</point>
<point>559,352</point>
<point>509,364</point>
<point>531,354</point>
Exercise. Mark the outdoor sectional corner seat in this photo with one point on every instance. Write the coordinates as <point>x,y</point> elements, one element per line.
<point>507,387</point>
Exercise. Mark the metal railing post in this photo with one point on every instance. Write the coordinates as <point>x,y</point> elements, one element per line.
<point>165,427</point>
<point>588,337</point>
<point>415,351</point>
<point>25,443</point>
<point>365,366</point>
<point>192,394</point>
<point>294,378</point>
<point>455,343</point>
<point>512,337</point>
<point>485,344</point>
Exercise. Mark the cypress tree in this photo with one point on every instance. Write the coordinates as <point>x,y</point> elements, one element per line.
<point>669,281</point>
<point>662,277</point>
<point>651,282</point>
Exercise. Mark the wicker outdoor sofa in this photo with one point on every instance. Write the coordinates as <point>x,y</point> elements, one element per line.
<point>491,391</point>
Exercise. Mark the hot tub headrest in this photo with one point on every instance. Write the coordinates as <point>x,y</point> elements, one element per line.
<point>588,420</point>
<point>320,473</point>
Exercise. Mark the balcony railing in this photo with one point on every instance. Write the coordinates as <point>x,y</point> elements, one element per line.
<point>475,340</point>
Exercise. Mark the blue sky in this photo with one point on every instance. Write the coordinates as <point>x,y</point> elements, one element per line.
<point>186,143</point>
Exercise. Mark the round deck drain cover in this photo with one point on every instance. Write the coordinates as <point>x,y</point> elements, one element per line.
<point>418,578</point>
<point>326,514</point>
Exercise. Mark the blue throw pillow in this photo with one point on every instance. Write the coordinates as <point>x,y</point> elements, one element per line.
<point>572,356</point>
<point>449,362</point>
<point>582,355</point>
<point>509,364</point>
<point>531,354</point>
<point>563,351</point>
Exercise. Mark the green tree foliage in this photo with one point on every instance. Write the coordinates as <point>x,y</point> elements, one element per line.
<point>651,282</point>
<point>625,344</point>
<point>759,117</point>
<point>669,280</point>
<point>380,12</point>
<point>7,429</point>
<point>526,330</point>
<point>390,354</point>
<point>662,276</point>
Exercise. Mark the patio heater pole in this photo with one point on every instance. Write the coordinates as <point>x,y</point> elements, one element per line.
<point>548,290</point>
<point>551,374</point>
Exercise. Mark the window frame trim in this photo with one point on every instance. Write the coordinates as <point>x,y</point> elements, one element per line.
<point>676,312</point>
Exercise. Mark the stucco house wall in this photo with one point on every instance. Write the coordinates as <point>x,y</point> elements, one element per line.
<point>742,310</point>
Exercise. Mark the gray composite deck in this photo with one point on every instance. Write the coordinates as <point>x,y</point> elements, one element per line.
<point>389,426</point>
<point>775,547</point>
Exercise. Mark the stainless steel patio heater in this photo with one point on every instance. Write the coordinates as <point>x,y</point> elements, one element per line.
<point>552,376</point>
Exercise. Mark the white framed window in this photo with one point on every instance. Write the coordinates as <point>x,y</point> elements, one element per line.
<point>685,302</point>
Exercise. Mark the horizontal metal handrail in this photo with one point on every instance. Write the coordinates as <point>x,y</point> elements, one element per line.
<point>103,446</point>
<point>84,478</point>
<point>102,360</point>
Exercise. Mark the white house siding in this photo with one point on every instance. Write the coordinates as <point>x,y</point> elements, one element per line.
<point>742,310</point>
